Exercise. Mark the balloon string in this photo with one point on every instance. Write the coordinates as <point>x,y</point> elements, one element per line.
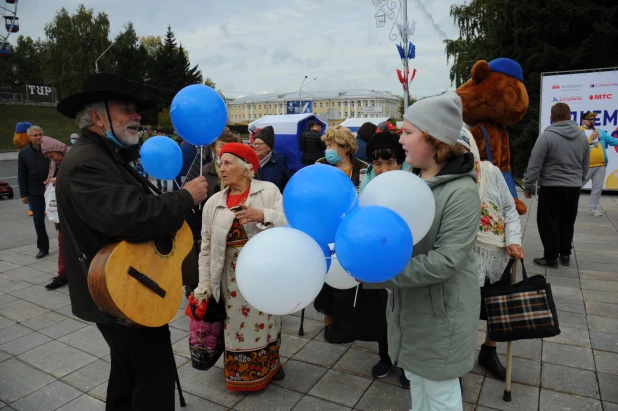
<point>201,169</point>
<point>356,295</point>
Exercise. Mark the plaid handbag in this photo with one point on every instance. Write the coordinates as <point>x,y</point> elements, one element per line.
<point>520,311</point>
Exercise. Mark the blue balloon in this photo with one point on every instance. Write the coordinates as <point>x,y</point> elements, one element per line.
<point>374,244</point>
<point>328,253</point>
<point>198,114</point>
<point>316,199</point>
<point>161,157</point>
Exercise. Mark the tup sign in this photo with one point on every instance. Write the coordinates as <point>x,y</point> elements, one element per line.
<point>40,93</point>
<point>592,91</point>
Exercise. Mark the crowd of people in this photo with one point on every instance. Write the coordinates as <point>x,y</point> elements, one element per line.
<point>424,319</point>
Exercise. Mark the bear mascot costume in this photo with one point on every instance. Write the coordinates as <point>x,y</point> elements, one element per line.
<point>20,137</point>
<point>494,98</point>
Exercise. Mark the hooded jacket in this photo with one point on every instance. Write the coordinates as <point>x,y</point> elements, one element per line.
<point>560,157</point>
<point>434,307</point>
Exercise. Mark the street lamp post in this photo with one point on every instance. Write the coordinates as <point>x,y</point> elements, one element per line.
<point>96,65</point>
<point>300,93</point>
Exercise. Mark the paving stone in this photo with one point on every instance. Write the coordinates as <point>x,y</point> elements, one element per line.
<point>209,385</point>
<point>291,344</point>
<point>13,332</point>
<point>99,392</point>
<point>311,313</point>
<point>585,265</point>
<point>609,406</point>
<point>342,388</point>
<point>567,292</point>
<point>357,362</point>
<point>4,356</point>
<point>607,297</point>
<point>530,349</point>
<point>320,353</point>
<point>5,322</point>
<point>21,310</point>
<point>177,334</point>
<point>22,273</point>
<point>601,309</point>
<point>525,398</point>
<point>272,398</point>
<point>6,266</point>
<point>366,345</point>
<point>472,384</point>
<point>563,282</point>
<point>600,285</point>
<point>18,380</point>
<point>604,324</point>
<point>46,265</point>
<point>320,337</point>
<point>291,324</point>
<point>598,275</point>
<point>573,320</point>
<point>554,401</point>
<point>609,387</point>
<point>607,362</point>
<point>41,352</point>
<point>63,328</point>
<point>14,286</point>
<point>571,336</point>
<point>570,305</point>
<point>51,300</point>
<point>567,355</point>
<point>49,397</point>
<point>604,341</point>
<point>309,403</point>
<point>43,279</point>
<point>195,403</point>
<point>524,371</point>
<point>25,343</point>
<point>179,360</point>
<point>90,376</point>
<point>182,323</point>
<point>85,402</point>
<point>477,369</point>
<point>64,362</point>
<point>7,298</point>
<point>569,380</point>
<point>43,321</point>
<point>87,339</point>
<point>182,347</point>
<point>382,396</point>
<point>300,376</point>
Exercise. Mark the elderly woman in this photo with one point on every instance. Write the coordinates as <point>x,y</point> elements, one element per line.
<point>273,166</point>
<point>55,150</point>
<point>340,149</point>
<point>338,305</point>
<point>498,239</point>
<point>230,218</point>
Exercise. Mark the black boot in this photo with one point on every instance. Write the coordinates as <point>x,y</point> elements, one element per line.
<point>489,360</point>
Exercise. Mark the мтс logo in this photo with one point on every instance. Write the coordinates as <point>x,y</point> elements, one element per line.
<point>601,96</point>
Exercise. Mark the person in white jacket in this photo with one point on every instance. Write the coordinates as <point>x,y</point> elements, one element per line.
<point>498,240</point>
<point>230,219</point>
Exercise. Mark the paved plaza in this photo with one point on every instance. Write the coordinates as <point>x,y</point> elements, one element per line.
<point>50,360</point>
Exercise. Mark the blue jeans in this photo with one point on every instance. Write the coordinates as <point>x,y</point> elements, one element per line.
<point>37,205</point>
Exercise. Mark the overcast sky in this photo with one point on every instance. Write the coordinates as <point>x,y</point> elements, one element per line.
<point>249,46</point>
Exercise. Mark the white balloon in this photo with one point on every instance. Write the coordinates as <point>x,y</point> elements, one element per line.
<point>407,195</point>
<point>281,270</point>
<point>337,277</point>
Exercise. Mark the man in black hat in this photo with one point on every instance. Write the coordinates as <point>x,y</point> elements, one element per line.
<point>102,200</point>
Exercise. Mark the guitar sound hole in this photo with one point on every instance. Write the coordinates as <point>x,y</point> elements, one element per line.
<point>165,245</point>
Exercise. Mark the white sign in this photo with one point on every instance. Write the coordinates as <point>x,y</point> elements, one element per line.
<point>372,110</point>
<point>593,91</point>
<point>39,90</point>
<point>334,114</point>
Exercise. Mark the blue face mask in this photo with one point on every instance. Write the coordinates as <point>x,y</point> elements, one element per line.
<point>332,157</point>
<point>114,140</point>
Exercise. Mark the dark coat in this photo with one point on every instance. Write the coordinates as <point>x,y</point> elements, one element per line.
<point>32,171</point>
<point>361,153</point>
<point>103,200</point>
<point>359,169</point>
<point>312,146</point>
<point>275,171</point>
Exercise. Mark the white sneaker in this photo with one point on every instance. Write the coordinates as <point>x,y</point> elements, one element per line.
<point>595,213</point>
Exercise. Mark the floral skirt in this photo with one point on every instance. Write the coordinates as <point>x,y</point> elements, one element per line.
<point>252,338</point>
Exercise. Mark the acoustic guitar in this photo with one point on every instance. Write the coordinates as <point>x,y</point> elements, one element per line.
<point>141,283</point>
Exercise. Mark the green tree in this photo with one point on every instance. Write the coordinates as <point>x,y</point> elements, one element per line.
<point>74,42</point>
<point>28,60</point>
<point>576,38</point>
<point>164,120</point>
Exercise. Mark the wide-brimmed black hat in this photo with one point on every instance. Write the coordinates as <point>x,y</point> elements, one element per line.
<point>102,87</point>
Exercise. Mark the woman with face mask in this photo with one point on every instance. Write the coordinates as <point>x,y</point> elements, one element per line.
<point>338,305</point>
<point>340,149</point>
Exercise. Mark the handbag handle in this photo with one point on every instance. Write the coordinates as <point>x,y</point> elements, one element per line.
<point>509,267</point>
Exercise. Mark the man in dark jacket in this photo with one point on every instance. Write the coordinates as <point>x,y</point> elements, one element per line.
<point>311,144</point>
<point>102,200</point>
<point>273,167</point>
<point>32,171</point>
<point>559,162</point>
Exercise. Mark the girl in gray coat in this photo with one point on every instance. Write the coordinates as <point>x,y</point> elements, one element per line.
<point>434,305</point>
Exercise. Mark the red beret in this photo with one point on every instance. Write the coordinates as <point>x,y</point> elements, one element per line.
<point>242,151</point>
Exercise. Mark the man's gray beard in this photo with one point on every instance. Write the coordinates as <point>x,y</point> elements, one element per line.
<point>125,138</point>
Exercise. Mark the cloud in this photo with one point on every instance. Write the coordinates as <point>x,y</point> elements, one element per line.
<point>255,46</point>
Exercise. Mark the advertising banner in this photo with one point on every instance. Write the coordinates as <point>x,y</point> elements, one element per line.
<point>299,107</point>
<point>592,91</point>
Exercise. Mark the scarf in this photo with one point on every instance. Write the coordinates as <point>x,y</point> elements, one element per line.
<point>265,160</point>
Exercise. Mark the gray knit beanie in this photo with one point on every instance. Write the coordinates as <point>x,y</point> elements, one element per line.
<point>440,116</point>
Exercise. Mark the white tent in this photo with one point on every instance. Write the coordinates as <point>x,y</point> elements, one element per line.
<point>355,123</point>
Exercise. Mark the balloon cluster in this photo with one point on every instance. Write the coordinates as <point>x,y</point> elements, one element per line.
<point>199,115</point>
<point>364,239</point>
